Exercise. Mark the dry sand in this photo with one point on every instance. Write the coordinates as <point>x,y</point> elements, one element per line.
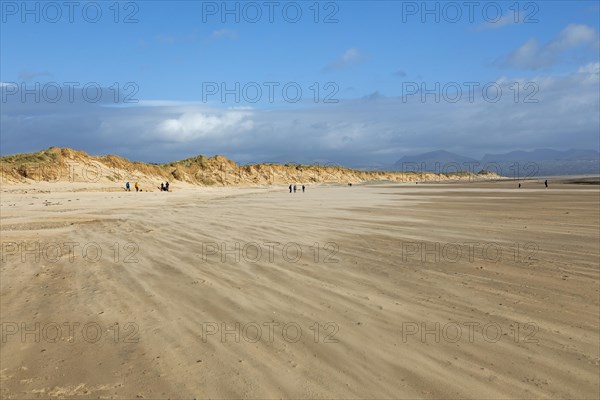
<point>151,315</point>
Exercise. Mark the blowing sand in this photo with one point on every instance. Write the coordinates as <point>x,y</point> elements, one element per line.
<point>373,291</point>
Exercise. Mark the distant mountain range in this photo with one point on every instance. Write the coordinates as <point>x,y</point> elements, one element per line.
<point>522,164</point>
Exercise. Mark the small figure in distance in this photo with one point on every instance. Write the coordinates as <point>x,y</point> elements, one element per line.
<point>290,188</point>
<point>167,186</point>
<point>519,186</point>
<point>137,187</point>
<point>294,188</point>
<point>127,187</point>
<point>546,183</point>
<point>162,187</point>
<point>303,188</point>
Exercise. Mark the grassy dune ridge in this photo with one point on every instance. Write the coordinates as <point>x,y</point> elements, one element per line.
<point>68,165</point>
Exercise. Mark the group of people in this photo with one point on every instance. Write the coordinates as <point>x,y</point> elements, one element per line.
<point>128,187</point>
<point>164,187</point>
<point>296,188</point>
<point>545,184</point>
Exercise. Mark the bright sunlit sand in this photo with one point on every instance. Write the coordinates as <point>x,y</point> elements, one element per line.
<point>370,291</point>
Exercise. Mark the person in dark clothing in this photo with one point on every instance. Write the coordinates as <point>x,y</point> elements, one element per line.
<point>167,187</point>
<point>546,183</point>
<point>290,188</point>
<point>519,186</point>
<point>303,188</point>
<point>294,188</point>
<point>162,187</point>
<point>127,187</point>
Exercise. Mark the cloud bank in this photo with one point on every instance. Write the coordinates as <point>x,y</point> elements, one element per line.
<point>375,130</point>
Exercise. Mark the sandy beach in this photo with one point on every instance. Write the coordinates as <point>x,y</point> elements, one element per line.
<point>470,290</point>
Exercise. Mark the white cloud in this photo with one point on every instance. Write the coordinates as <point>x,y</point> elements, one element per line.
<point>194,125</point>
<point>350,56</point>
<point>591,69</point>
<point>505,20</point>
<point>572,36</point>
<point>532,55</point>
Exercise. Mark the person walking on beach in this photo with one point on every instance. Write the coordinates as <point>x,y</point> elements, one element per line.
<point>294,188</point>
<point>290,188</point>
<point>546,183</point>
<point>303,188</point>
<point>162,187</point>
<point>137,187</point>
<point>127,188</point>
<point>167,186</point>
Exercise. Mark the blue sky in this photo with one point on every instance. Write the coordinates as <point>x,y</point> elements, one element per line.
<point>369,61</point>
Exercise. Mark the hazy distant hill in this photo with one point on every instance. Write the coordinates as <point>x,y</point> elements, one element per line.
<point>542,155</point>
<point>433,161</point>
<point>539,162</point>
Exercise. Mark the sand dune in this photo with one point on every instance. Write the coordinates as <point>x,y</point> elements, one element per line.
<point>63,165</point>
<point>339,292</point>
